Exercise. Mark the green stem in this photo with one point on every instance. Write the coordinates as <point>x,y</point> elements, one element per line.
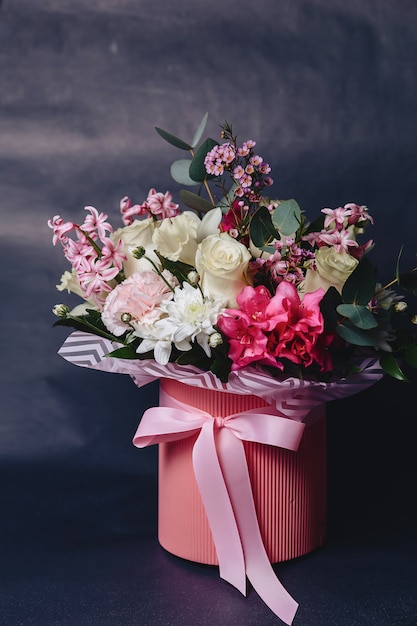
<point>158,271</point>
<point>392,282</point>
<point>96,330</point>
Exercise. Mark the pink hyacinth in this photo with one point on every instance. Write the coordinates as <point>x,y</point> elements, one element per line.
<point>60,228</point>
<point>161,205</point>
<point>95,224</point>
<point>130,211</point>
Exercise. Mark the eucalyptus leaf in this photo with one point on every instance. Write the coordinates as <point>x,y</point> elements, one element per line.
<point>359,315</point>
<point>261,229</point>
<point>198,170</point>
<point>354,335</point>
<point>287,217</point>
<point>180,172</point>
<point>360,286</point>
<point>199,131</point>
<point>390,365</point>
<point>195,202</point>
<point>172,139</point>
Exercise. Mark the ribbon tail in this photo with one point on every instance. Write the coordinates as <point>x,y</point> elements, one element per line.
<point>258,568</point>
<point>219,509</point>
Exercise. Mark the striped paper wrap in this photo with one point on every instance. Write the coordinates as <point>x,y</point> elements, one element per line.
<point>294,397</point>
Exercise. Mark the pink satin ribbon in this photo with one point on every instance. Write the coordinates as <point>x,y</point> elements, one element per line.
<point>222,477</point>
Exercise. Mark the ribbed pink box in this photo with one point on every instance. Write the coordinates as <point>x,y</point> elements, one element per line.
<point>289,488</point>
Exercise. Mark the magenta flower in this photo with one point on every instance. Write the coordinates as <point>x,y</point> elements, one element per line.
<point>295,325</point>
<point>269,329</point>
<point>245,328</point>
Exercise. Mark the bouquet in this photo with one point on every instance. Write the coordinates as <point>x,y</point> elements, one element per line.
<point>241,293</point>
<point>236,279</point>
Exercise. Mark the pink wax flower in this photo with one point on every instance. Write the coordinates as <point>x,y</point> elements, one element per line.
<point>135,299</point>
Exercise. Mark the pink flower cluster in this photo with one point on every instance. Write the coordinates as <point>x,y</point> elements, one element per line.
<point>337,229</point>
<point>157,205</point>
<point>95,266</point>
<point>248,170</point>
<point>269,329</point>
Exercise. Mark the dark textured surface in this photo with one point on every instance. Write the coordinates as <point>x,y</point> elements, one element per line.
<point>328,90</point>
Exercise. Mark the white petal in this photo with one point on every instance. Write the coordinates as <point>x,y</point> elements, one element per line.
<point>209,224</point>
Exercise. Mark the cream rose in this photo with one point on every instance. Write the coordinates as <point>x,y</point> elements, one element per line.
<point>222,263</point>
<point>176,237</point>
<point>139,233</point>
<point>332,270</point>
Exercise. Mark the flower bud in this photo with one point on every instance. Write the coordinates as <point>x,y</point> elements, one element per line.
<point>400,306</point>
<point>215,340</point>
<point>60,310</point>
<point>126,318</point>
<point>193,277</point>
<point>414,319</point>
<point>139,252</point>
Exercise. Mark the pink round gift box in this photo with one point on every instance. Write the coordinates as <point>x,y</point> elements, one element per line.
<point>289,488</point>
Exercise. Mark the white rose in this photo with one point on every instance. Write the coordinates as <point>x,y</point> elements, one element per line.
<point>222,263</point>
<point>139,233</point>
<point>176,237</point>
<point>333,270</point>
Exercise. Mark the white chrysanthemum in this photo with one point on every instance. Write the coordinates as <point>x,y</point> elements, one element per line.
<point>190,317</point>
<point>153,339</point>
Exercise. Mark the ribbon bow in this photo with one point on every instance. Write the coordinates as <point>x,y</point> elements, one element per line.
<point>222,477</point>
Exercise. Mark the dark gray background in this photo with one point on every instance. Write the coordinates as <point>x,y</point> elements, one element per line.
<point>328,90</point>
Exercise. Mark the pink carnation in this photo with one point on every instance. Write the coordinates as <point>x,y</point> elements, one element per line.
<point>135,299</point>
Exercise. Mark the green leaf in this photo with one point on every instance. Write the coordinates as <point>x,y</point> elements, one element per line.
<point>197,168</point>
<point>199,131</point>
<point>354,335</point>
<point>359,315</point>
<point>173,140</point>
<point>411,355</point>
<point>177,268</point>
<point>180,172</point>
<point>287,217</point>
<point>390,365</point>
<point>261,229</point>
<point>195,202</point>
<point>126,352</point>
<point>409,281</point>
<point>360,286</point>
